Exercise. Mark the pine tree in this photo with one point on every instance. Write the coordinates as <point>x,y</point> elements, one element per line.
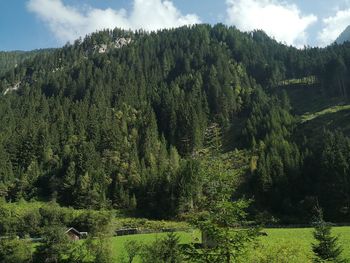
<point>225,233</point>
<point>326,248</point>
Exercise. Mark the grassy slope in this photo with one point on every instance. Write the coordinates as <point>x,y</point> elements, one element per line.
<point>316,111</point>
<point>338,120</point>
<point>308,100</point>
<point>335,109</point>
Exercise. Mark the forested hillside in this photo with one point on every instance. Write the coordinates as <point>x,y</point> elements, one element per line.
<point>10,60</point>
<point>135,120</point>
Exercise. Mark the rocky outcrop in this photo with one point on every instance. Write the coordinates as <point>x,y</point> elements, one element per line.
<point>13,88</point>
<point>121,42</point>
<point>118,43</point>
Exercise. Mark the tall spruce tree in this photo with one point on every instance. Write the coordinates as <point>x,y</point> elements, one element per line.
<point>326,248</point>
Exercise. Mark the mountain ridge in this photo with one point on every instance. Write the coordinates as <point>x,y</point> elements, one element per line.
<point>344,36</point>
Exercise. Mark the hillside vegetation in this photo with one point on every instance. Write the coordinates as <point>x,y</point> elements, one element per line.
<point>12,59</point>
<point>156,125</point>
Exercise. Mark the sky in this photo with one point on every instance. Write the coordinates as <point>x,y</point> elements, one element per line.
<point>35,24</point>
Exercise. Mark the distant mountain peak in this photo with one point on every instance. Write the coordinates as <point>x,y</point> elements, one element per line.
<point>344,36</point>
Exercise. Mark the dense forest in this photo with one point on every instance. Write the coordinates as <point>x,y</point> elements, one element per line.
<point>131,120</point>
<point>10,60</point>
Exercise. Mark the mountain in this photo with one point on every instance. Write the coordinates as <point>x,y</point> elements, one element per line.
<point>159,123</point>
<point>344,36</point>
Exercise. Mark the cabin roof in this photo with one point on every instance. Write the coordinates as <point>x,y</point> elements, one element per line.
<point>72,229</point>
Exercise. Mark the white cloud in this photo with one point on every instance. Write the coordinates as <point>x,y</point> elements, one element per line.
<point>280,20</point>
<point>333,27</point>
<point>156,14</point>
<point>68,23</point>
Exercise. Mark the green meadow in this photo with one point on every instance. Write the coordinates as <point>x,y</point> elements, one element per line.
<point>118,242</point>
<point>303,238</point>
<point>284,240</point>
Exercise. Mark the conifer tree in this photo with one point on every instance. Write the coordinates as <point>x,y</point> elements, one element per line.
<point>326,248</point>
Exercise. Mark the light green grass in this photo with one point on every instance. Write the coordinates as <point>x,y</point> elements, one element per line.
<point>304,237</point>
<point>118,242</point>
<point>309,80</point>
<point>300,237</point>
<point>310,116</point>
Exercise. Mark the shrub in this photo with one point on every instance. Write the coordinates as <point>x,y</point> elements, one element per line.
<point>94,222</point>
<point>15,251</point>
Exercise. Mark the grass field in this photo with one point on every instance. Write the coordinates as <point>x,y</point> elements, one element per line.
<point>299,237</point>
<point>118,242</point>
<point>304,237</point>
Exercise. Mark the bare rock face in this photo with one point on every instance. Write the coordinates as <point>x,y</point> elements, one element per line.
<point>13,88</point>
<point>118,43</point>
<point>102,49</point>
<point>121,42</point>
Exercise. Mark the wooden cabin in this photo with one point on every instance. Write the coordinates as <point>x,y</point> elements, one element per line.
<point>75,235</point>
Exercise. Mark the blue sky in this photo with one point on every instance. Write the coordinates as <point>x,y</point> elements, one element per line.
<point>32,24</point>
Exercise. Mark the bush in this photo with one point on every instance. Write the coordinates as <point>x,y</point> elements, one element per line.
<point>94,222</point>
<point>30,224</point>
<point>133,249</point>
<point>162,250</point>
<point>8,221</point>
<point>52,213</point>
<point>102,250</point>
<point>142,223</point>
<point>15,251</point>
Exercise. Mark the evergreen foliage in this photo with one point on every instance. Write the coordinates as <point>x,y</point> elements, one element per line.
<point>225,235</point>
<point>55,246</point>
<point>326,249</point>
<point>124,128</point>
